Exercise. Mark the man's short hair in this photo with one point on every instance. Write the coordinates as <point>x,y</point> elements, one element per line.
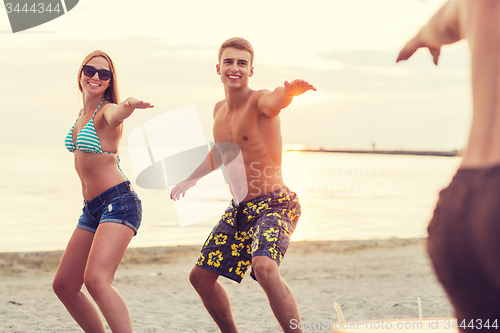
<point>237,43</point>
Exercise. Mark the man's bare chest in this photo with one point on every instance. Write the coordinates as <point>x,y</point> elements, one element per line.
<point>233,127</point>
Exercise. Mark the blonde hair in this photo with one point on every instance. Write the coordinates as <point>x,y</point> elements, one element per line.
<point>112,91</point>
<point>237,43</point>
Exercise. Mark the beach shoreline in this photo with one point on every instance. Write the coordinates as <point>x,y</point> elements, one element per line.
<point>369,279</point>
<point>39,262</point>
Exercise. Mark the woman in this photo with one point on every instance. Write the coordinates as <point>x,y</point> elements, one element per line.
<point>463,234</point>
<point>112,211</point>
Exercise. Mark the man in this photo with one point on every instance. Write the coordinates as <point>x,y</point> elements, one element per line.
<point>463,234</point>
<point>256,230</point>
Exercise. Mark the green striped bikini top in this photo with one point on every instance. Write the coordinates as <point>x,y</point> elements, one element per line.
<point>87,140</point>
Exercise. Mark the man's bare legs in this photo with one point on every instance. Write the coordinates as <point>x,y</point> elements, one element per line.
<point>214,297</point>
<point>216,300</point>
<point>280,296</point>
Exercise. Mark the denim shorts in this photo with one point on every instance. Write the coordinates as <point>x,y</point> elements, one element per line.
<point>258,227</point>
<point>119,204</point>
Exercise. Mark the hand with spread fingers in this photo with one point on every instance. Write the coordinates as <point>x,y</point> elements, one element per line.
<point>443,28</point>
<point>416,43</point>
<point>297,87</point>
<point>137,104</point>
<point>181,188</point>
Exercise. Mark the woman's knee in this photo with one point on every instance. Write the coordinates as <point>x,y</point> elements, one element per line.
<point>65,287</point>
<point>59,286</point>
<point>95,282</point>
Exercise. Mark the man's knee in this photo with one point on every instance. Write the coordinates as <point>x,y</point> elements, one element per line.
<point>200,277</point>
<point>265,268</point>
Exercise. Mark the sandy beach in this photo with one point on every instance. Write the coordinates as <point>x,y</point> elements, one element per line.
<point>375,279</point>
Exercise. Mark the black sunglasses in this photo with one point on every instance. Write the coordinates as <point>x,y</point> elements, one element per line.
<point>90,71</point>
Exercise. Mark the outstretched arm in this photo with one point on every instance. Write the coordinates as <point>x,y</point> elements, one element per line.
<point>116,114</point>
<point>444,27</point>
<point>209,164</point>
<point>274,101</point>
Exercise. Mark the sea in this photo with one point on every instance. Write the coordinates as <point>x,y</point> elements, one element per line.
<point>343,197</point>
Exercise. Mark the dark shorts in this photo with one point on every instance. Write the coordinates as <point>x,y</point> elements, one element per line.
<point>464,245</point>
<point>258,227</point>
<point>118,204</point>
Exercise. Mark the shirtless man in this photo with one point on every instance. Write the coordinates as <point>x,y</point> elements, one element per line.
<point>464,233</point>
<point>256,230</point>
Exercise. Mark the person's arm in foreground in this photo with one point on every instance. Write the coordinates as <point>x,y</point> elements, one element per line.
<point>443,28</point>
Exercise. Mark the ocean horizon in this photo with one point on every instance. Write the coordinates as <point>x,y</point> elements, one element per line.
<point>343,197</point>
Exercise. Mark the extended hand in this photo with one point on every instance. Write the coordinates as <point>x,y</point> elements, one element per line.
<point>298,87</point>
<point>181,188</point>
<point>413,45</point>
<point>137,104</point>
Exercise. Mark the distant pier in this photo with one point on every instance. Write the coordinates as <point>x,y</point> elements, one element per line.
<point>451,153</point>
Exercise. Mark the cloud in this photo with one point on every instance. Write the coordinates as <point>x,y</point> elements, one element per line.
<point>368,89</point>
<point>360,57</point>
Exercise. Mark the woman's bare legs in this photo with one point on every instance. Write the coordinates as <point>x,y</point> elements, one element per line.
<point>69,280</point>
<point>110,242</point>
<point>93,259</point>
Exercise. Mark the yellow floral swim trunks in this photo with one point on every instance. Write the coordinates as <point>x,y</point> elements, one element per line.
<point>258,227</point>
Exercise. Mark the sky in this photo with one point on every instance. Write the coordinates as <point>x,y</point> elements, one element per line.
<point>165,52</point>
